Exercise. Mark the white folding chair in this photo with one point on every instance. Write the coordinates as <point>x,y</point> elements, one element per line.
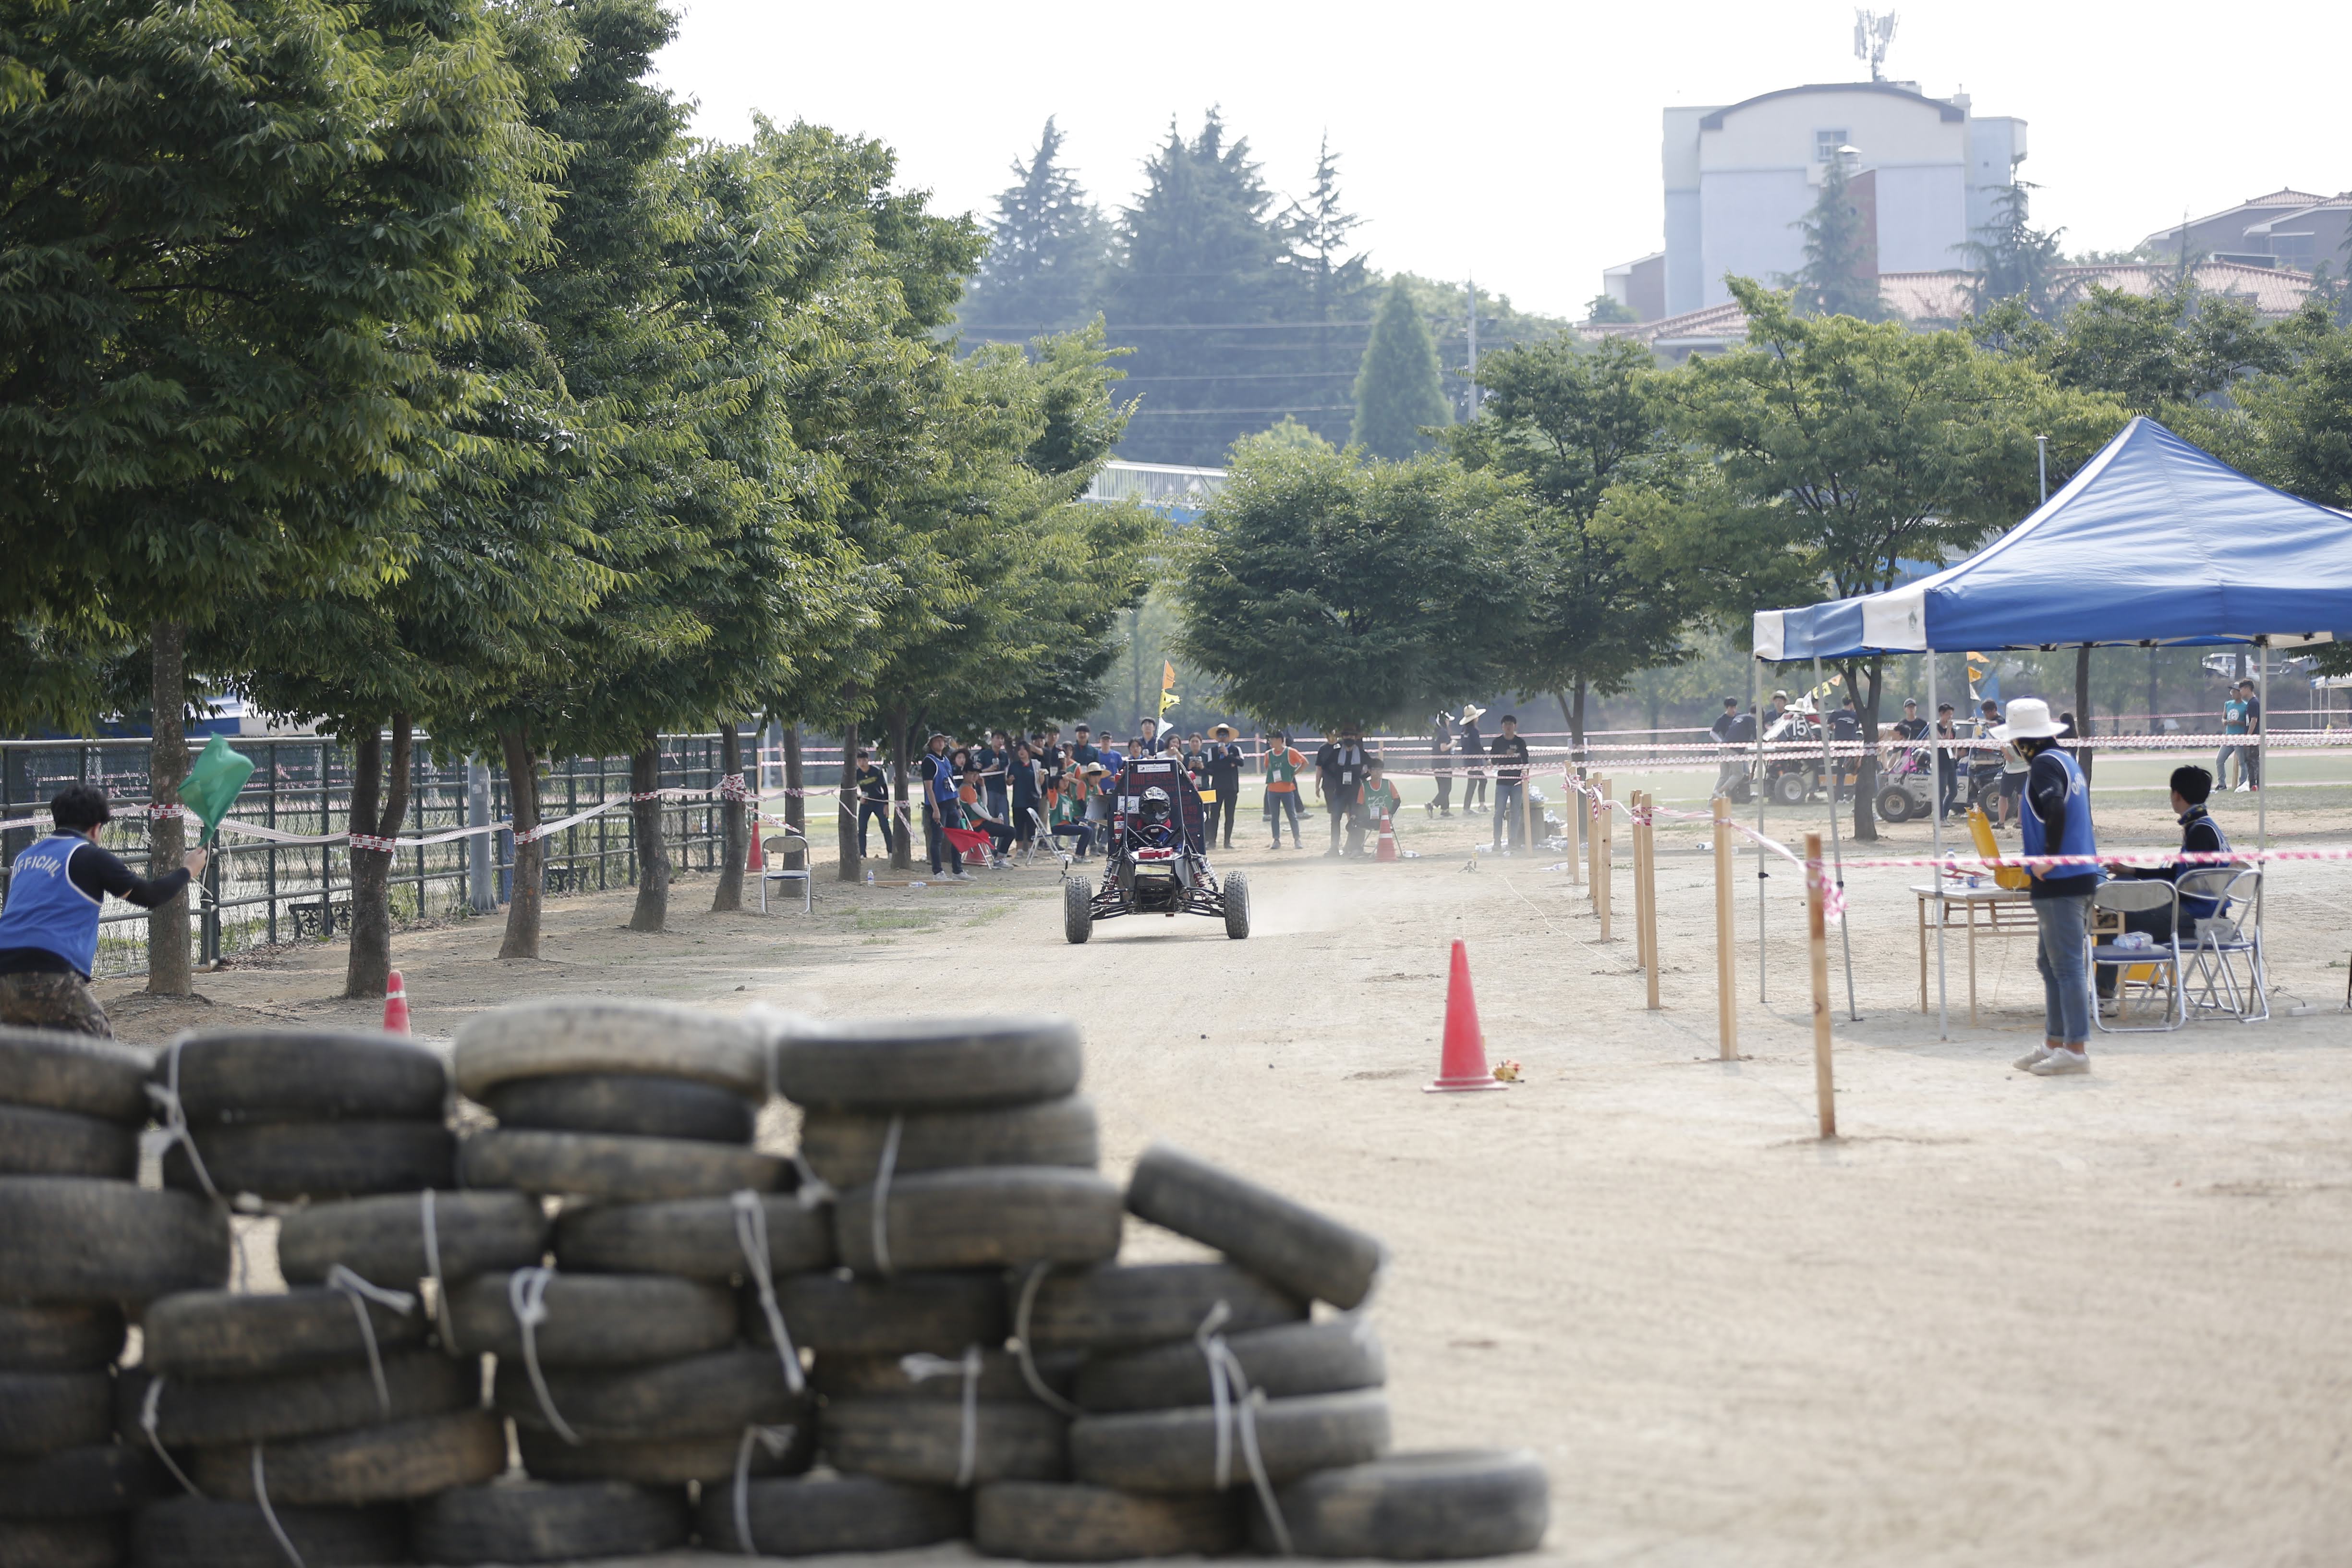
<point>775,870</point>
<point>2163,957</point>
<point>2217,983</point>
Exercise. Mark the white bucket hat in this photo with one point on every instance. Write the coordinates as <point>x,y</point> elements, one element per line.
<point>2028,720</point>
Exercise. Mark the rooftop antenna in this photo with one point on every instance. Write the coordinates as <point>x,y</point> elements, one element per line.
<point>1872,34</point>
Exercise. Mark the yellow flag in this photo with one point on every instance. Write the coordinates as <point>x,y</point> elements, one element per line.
<point>1168,699</point>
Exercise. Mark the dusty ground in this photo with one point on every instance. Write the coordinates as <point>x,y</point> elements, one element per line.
<point>2001,1320</point>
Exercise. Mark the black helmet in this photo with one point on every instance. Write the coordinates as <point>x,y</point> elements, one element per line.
<point>1155,805</point>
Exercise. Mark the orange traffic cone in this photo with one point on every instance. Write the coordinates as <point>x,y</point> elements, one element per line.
<point>1388,850</point>
<point>1463,1066</point>
<point>758,860</point>
<point>395,1004</point>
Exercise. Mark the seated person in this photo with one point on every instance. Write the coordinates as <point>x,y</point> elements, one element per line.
<point>1074,811</point>
<point>975,812</point>
<point>1379,795</point>
<point>2200,835</point>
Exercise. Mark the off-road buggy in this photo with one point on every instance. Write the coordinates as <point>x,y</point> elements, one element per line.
<point>1155,858</point>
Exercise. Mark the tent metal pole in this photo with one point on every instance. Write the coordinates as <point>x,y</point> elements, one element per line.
<point>1837,854</point>
<point>1936,831</point>
<point>1763,789</point>
<point>2263,768</point>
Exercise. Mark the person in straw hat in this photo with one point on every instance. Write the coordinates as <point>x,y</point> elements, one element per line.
<point>1472,746</point>
<point>2056,820</point>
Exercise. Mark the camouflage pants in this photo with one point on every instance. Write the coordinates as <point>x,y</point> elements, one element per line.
<point>51,999</point>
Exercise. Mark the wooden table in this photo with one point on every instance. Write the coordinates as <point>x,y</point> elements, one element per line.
<point>2004,909</point>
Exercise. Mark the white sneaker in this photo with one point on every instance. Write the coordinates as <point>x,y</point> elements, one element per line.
<point>2242,789</point>
<point>2061,1061</point>
<point>960,876</point>
<point>2031,1058</point>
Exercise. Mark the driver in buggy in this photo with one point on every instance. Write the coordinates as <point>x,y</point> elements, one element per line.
<point>1156,827</point>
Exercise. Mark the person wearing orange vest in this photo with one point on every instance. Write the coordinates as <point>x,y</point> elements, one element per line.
<point>1282,765</point>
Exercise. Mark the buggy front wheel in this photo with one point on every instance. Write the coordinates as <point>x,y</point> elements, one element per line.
<point>1236,891</point>
<point>1077,910</point>
<point>1788,789</point>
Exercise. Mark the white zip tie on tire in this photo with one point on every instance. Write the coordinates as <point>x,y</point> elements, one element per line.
<point>1029,1373</point>
<point>269,1514</point>
<point>359,1293</point>
<point>776,1440</point>
<point>527,1297</point>
<point>158,1141</point>
<point>442,1318</point>
<point>1234,1404</point>
<point>882,1173</point>
<point>148,1411</point>
<point>813,1189</point>
<point>751,1236</point>
<point>922,1367</point>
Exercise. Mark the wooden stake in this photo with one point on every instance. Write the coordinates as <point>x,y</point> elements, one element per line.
<point>1645,882</point>
<point>1607,841</point>
<point>1726,970</point>
<point>1572,813</point>
<point>1817,942</point>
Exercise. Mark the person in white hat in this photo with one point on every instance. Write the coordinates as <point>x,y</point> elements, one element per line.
<point>1470,744</point>
<point>2056,820</point>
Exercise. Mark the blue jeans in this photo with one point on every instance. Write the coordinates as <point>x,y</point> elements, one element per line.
<point>2065,989</point>
<point>1508,824</point>
<point>1281,803</point>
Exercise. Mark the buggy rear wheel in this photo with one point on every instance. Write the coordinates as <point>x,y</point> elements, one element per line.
<point>1894,804</point>
<point>1788,789</point>
<point>1236,892</point>
<point>1077,910</point>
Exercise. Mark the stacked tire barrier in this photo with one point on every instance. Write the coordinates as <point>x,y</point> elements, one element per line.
<point>609,1324</point>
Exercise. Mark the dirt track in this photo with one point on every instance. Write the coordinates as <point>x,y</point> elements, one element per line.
<point>2003,1320</point>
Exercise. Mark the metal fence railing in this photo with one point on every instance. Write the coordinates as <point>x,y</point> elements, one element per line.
<point>258,893</point>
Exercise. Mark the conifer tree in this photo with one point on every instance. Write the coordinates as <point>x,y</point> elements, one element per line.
<point>1397,388</point>
<point>1840,277</point>
<point>2014,260</point>
<point>1047,247</point>
<point>1337,284</point>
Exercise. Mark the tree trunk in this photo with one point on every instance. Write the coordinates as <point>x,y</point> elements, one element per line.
<point>2083,709</point>
<point>844,822</point>
<point>902,854</point>
<point>796,803</point>
<point>366,970</point>
<point>529,856</point>
<point>733,850</point>
<point>2151,691</point>
<point>167,766</point>
<point>1575,710</point>
<point>1865,774</point>
<point>645,832</point>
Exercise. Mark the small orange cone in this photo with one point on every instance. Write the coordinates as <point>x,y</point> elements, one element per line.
<point>1388,850</point>
<point>758,860</point>
<point>395,1004</point>
<point>1463,1066</point>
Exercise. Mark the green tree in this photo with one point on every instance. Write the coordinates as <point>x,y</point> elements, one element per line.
<point>1843,451</point>
<point>1606,310</point>
<point>1323,590</point>
<point>1047,247</point>
<point>235,236</point>
<point>1569,422</point>
<point>1397,390</point>
<point>2161,353</point>
<point>2014,260</point>
<point>2293,429</point>
<point>1840,277</point>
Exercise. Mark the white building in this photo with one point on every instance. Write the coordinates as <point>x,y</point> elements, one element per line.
<point>1741,176</point>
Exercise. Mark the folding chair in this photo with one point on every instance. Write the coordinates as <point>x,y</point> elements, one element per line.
<point>774,871</point>
<point>1041,838</point>
<point>2222,939</point>
<point>2130,896</point>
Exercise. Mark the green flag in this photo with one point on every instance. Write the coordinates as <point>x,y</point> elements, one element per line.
<point>211,787</point>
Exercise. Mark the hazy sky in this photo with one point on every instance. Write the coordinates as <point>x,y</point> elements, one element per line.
<point>1521,142</point>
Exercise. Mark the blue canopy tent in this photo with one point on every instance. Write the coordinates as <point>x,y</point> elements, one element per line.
<point>2155,543</point>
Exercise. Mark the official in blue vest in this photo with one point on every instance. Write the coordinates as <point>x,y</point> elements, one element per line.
<point>49,927</point>
<point>2056,821</point>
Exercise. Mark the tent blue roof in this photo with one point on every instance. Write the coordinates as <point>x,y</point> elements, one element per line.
<point>2153,542</point>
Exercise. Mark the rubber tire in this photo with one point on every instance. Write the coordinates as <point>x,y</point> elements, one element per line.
<point>285,1161</point>
<point>719,1392</point>
<point>1175,1450</point>
<point>259,1409</point>
<point>395,1462</point>
<point>707,1457</point>
<point>639,1106</point>
<point>929,1064</point>
<point>306,1075</point>
<point>77,1238</point>
<point>1899,798</point>
<point>55,1337</point>
<point>1078,911</point>
<point>844,1147</point>
<point>1125,1306</point>
<point>987,1218</point>
<point>1334,1356</point>
<point>1235,888</point>
<point>922,1440</point>
<point>200,1532</point>
<point>601,1035</point>
<point>938,1313</point>
<point>839,1377</point>
<point>382,1239</point>
<point>1285,1241</point>
<point>77,1073</point>
<point>37,1141</point>
<point>692,1237</point>
<point>1788,789</point>
<point>599,1319</point>
<point>1416,1507</point>
<point>222,1333</point>
<point>1041,1521</point>
<point>44,1410</point>
<point>537,1522</point>
<point>78,1482</point>
<point>614,1165</point>
<point>60,1543</point>
<point>810,1517</point>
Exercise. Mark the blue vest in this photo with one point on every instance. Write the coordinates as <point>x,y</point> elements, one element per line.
<point>45,910</point>
<point>2079,839</point>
